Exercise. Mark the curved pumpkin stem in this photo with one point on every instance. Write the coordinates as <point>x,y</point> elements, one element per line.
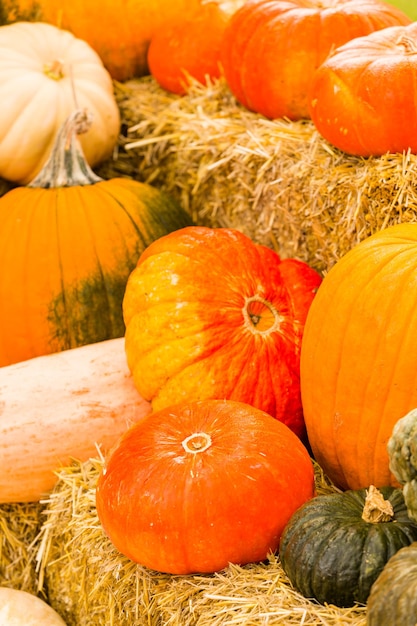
<point>67,165</point>
<point>376,509</point>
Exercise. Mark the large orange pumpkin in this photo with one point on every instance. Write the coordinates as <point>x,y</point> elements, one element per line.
<point>364,96</point>
<point>271,48</point>
<point>68,243</point>
<point>118,31</point>
<point>358,357</point>
<point>200,485</point>
<point>211,314</point>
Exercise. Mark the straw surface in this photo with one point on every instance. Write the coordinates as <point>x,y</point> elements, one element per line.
<point>277,181</point>
<point>19,527</point>
<point>90,583</point>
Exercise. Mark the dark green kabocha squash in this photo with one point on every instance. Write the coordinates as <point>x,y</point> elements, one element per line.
<point>393,597</point>
<point>402,452</point>
<point>335,546</point>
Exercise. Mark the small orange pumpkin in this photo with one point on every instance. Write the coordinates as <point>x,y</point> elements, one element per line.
<point>358,357</point>
<point>211,314</point>
<point>271,48</point>
<point>200,485</point>
<point>189,47</point>
<point>363,98</point>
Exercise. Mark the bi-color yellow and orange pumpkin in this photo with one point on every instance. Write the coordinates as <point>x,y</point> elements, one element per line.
<point>271,48</point>
<point>68,242</point>
<point>199,485</point>
<point>118,32</point>
<point>358,357</point>
<point>211,314</point>
<point>363,98</point>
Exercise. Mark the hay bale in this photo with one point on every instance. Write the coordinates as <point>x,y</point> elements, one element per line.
<point>277,181</point>
<point>91,584</point>
<point>19,527</point>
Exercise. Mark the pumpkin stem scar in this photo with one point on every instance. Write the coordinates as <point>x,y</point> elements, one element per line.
<point>376,509</point>
<point>54,70</point>
<point>261,317</point>
<point>197,442</point>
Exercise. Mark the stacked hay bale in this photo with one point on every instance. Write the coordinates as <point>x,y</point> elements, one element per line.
<point>277,181</point>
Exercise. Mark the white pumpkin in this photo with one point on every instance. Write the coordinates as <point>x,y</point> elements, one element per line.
<point>45,73</point>
<point>20,608</point>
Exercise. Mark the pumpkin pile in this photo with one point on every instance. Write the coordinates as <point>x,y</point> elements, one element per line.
<point>301,34</point>
<point>223,373</point>
<point>67,238</point>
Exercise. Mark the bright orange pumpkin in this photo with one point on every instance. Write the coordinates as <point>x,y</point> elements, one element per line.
<point>364,96</point>
<point>68,242</point>
<point>200,485</point>
<point>358,357</point>
<point>211,314</point>
<point>188,47</point>
<point>271,48</point>
<point>118,32</point>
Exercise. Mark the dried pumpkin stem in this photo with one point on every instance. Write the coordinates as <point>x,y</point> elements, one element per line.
<point>67,165</point>
<point>376,509</point>
<point>408,44</point>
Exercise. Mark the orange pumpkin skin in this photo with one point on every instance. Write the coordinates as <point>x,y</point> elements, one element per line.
<point>201,485</point>
<point>119,33</point>
<point>68,253</point>
<point>68,242</point>
<point>272,48</point>
<point>358,370</point>
<point>189,47</point>
<point>210,314</point>
<point>364,96</point>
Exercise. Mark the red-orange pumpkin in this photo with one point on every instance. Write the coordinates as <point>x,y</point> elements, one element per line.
<point>201,485</point>
<point>358,357</point>
<point>189,47</point>
<point>211,314</point>
<point>271,48</point>
<point>364,96</point>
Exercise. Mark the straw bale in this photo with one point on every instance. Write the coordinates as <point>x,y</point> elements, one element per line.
<point>277,181</point>
<point>19,528</point>
<point>90,583</point>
